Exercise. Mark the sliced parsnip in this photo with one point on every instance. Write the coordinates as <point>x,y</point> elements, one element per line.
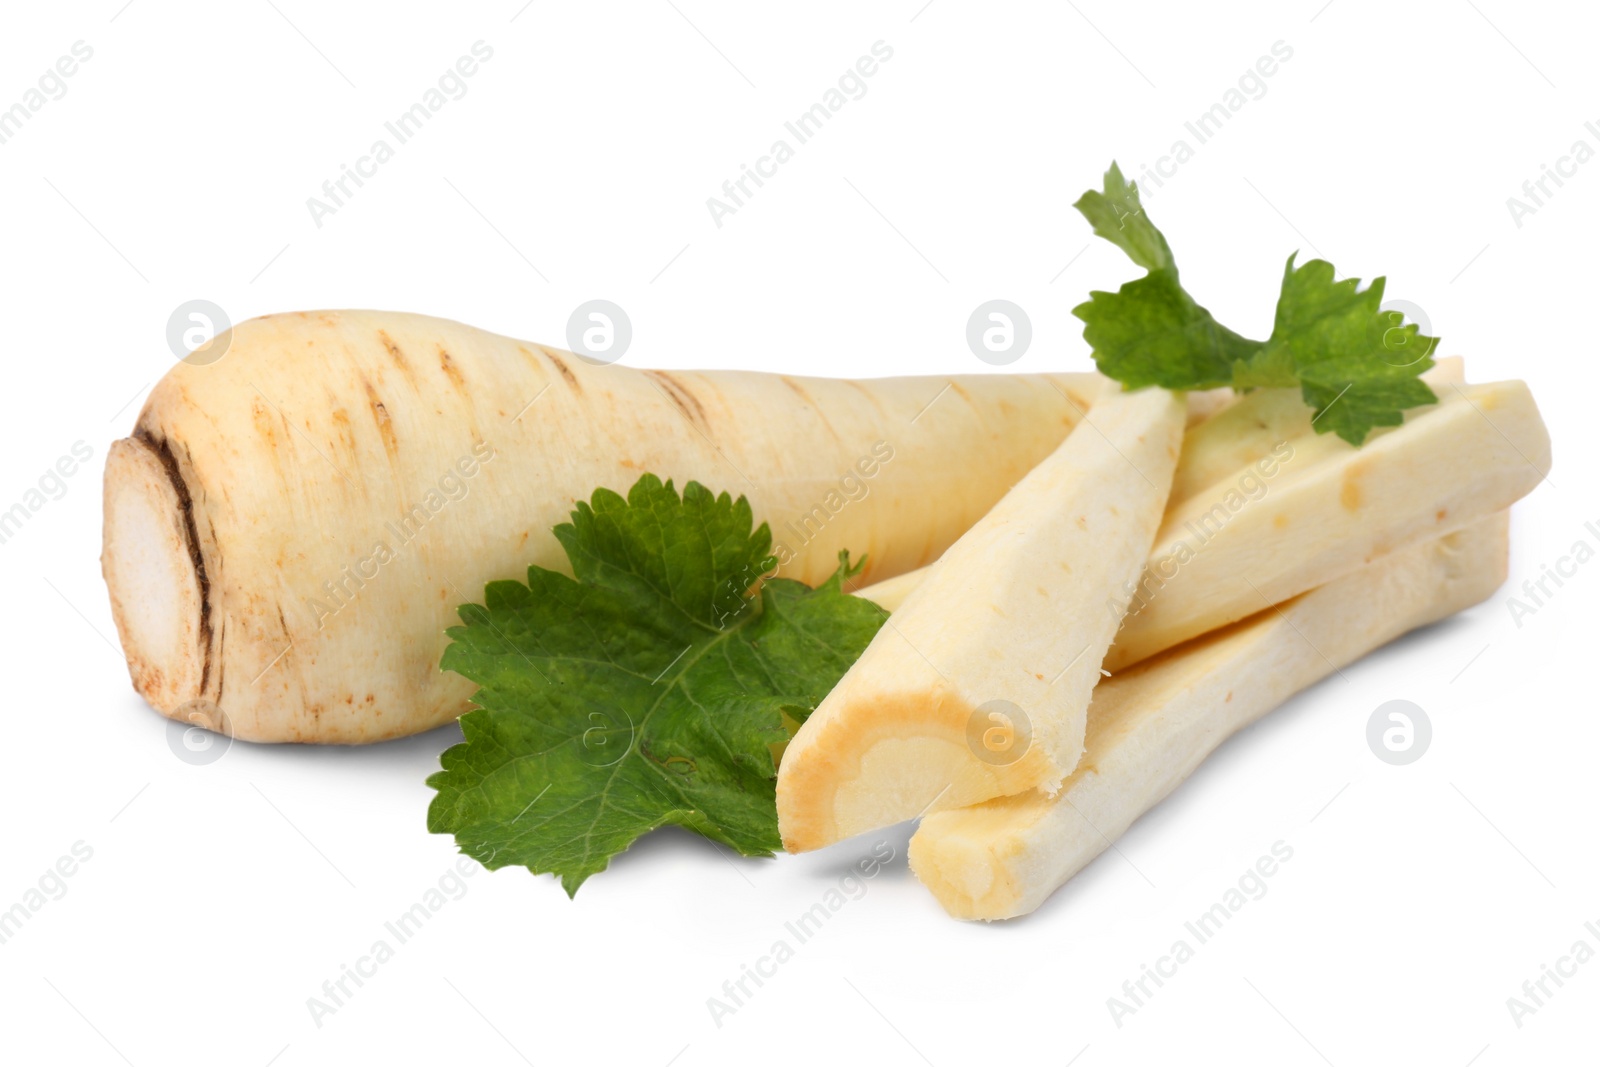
<point>1478,450</point>
<point>1217,449</point>
<point>1150,728</point>
<point>1007,633</point>
<point>1207,402</point>
<point>891,593</point>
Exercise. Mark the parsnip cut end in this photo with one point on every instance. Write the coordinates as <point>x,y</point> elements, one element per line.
<point>150,567</point>
<point>900,756</point>
<point>1150,727</point>
<point>977,687</point>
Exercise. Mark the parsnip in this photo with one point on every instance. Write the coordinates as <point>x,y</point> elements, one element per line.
<point>1221,556</point>
<point>1205,403</point>
<point>891,593</point>
<point>1006,634</point>
<point>1151,727</point>
<point>289,530</point>
<point>1219,446</point>
<point>1477,451</point>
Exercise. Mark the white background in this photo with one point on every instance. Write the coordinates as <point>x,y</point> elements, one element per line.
<point>219,898</point>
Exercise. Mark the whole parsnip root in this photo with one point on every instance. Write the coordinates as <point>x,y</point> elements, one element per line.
<point>1006,635</point>
<point>288,530</point>
<point>1218,449</point>
<point>1152,726</point>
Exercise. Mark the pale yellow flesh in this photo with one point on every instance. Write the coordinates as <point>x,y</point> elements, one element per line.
<point>1219,447</point>
<point>1151,727</point>
<point>1322,511</point>
<point>1018,611</point>
<point>1206,403</point>
<point>250,482</point>
<point>1480,449</point>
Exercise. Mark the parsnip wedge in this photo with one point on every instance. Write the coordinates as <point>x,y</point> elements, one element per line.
<point>1151,727</point>
<point>1219,448</point>
<point>1218,560</point>
<point>977,687</point>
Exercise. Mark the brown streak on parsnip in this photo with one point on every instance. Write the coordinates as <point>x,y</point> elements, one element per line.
<point>562,369</point>
<point>395,354</point>
<point>450,369</point>
<point>679,394</point>
<point>811,403</point>
<point>380,415</point>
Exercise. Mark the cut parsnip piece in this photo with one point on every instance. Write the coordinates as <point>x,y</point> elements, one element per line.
<point>891,593</point>
<point>1207,402</point>
<point>977,687</point>
<point>1216,450</point>
<point>1150,728</point>
<point>1478,450</point>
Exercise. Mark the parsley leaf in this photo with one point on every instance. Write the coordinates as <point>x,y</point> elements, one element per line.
<point>645,691</point>
<point>1151,332</point>
<point>1117,215</point>
<point>1355,364</point>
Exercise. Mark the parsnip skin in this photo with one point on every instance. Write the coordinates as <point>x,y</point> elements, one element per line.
<point>1014,618</point>
<point>250,482</point>
<point>1151,727</point>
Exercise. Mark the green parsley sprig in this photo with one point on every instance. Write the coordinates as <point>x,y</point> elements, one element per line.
<point>1356,365</point>
<point>646,690</point>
